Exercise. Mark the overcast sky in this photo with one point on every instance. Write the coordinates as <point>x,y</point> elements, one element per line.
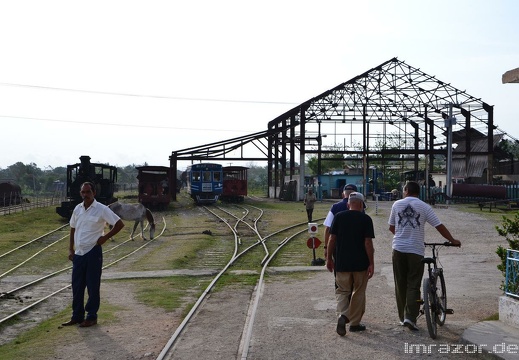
<point>128,82</point>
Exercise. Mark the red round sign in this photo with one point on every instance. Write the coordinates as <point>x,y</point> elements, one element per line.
<point>313,228</point>
<point>313,243</point>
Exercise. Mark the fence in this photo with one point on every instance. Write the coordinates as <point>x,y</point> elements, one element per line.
<point>512,273</point>
<point>32,202</point>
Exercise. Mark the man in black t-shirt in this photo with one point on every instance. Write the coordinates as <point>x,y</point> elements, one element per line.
<point>351,236</point>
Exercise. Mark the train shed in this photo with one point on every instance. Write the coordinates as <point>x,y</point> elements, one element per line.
<point>392,114</point>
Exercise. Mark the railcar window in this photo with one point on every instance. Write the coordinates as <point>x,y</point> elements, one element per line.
<point>217,176</point>
<point>196,175</point>
<point>230,176</point>
<point>207,176</point>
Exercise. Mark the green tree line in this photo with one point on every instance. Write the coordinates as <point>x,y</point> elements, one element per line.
<point>34,180</point>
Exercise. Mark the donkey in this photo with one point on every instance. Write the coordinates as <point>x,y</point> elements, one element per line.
<point>137,213</point>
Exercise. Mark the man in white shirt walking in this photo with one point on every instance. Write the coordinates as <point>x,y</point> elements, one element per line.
<point>407,222</point>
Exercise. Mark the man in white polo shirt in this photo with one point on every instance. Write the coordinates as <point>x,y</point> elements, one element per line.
<point>86,238</point>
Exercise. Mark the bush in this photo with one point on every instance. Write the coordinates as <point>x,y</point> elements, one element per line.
<point>510,230</point>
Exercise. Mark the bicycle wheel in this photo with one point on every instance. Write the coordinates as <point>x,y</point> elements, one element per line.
<point>428,307</point>
<point>442,299</point>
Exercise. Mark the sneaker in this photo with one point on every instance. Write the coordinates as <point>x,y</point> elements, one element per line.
<point>410,325</point>
<point>401,323</point>
<point>341,325</point>
<point>355,328</point>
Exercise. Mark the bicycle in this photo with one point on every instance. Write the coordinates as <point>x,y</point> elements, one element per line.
<point>434,292</point>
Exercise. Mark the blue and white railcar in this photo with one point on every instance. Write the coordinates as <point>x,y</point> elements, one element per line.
<point>205,182</point>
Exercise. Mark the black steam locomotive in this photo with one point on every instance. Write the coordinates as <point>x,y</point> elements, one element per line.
<point>102,176</point>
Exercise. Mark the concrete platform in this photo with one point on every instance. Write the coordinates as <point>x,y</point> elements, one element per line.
<point>494,339</point>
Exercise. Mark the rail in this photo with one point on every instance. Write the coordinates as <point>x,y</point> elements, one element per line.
<point>512,273</point>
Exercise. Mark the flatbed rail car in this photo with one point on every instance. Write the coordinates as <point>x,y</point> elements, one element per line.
<point>154,186</point>
<point>234,183</point>
<point>204,182</point>
<point>102,176</point>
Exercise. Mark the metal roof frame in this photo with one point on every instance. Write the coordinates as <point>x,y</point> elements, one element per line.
<point>391,98</point>
<point>357,117</point>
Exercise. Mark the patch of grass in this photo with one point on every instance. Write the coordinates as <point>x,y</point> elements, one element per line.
<point>180,292</point>
<point>20,228</point>
<point>170,293</point>
<point>173,253</point>
<point>23,226</point>
<point>127,196</point>
<point>193,251</point>
<point>492,317</point>
<point>236,280</point>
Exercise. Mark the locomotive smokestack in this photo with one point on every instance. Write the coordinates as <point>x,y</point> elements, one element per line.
<point>85,159</point>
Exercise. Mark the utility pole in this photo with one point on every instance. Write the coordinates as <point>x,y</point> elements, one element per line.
<point>451,120</point>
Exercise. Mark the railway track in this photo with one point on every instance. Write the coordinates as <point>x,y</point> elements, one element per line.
<point>218,249</point>
<point>23,288</point>
<point>243,224</point>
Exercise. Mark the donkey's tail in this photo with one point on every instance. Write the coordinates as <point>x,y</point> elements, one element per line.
<point>151,220</point>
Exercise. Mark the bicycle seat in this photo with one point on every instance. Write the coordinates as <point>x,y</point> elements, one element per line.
<point>428,260</point>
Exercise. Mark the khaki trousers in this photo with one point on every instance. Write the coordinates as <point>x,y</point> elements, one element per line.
<point>351,294</point>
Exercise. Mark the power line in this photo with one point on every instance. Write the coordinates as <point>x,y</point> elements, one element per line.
<point>145,96</point>
<point>121,125</point>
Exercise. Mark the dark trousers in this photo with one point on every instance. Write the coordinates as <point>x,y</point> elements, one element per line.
<point>408,273</point>
<point>309,214</point>
<point>86,273</point>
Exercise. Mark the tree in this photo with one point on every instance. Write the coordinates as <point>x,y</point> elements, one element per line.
<point>329,162</point>
<point>390,169</point>
<point>33,179</point>
<point>257,178</point>
<point>509,147</point>
<point>28,177</point>
<point>127,174</point>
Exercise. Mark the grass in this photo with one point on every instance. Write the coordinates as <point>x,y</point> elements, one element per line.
<point>171,293</point>
<point>19,227</point>
<point>180,255</point>
<point>492,317</point>
<point>180,292</point>
<point>232,280</point>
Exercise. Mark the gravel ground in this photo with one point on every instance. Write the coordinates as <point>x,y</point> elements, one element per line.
<point>297,319</point>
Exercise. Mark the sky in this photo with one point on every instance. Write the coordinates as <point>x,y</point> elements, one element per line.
<point>128,82</point>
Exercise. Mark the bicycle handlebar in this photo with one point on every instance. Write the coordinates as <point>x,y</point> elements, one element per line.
<point>446,243</point>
